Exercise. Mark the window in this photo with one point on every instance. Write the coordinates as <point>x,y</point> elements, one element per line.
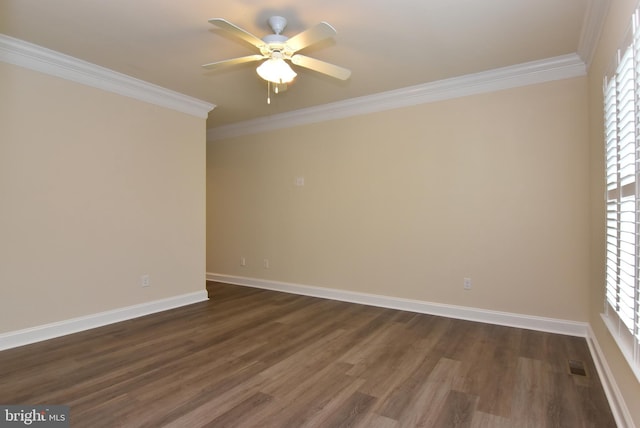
<point>622,145</point>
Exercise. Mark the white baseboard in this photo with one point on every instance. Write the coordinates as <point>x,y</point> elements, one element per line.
<point>551,325</point>
<point>614,396</point>
<point>49,331</point>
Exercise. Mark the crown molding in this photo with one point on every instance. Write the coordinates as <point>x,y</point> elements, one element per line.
<point>594,19</point>
<point>18,52</point>
<point>556,68</point>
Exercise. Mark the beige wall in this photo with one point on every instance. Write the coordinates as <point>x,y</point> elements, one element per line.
<point>96,189</point>
<point>617,23</point>
<point>408,202</point>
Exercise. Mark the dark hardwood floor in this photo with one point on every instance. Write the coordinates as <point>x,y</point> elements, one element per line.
<point>252,357</point>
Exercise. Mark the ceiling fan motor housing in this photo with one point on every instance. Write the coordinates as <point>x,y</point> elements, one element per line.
<point>275,43</point>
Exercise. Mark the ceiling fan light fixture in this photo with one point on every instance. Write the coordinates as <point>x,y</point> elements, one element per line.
<point>276,70</point>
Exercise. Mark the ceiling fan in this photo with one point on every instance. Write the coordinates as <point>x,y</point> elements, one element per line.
<point>276,49</point>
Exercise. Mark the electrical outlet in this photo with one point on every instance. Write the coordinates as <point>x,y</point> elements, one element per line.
<point>243,261</point>
<point>145,281</point>
<point>265,264</point>
<point>467,284</point>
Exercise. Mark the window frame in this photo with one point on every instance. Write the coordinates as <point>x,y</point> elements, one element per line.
<point>621,90</point>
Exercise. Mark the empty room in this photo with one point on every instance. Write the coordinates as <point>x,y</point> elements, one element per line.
<point>286,214</point>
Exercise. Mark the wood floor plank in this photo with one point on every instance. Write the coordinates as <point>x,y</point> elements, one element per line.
<point>374,420</point>
<point>400,399</point>
<point>458,410</point>
<point>238,414</point>
<point>425,407</point>
<point>251,357</point>
<point>491,374</point>
<point>529,405</point>
<point>488,420</point>
<point>347,414</point>
<point>206,409</point>
<point>314,397</point>
<point>331,408</point>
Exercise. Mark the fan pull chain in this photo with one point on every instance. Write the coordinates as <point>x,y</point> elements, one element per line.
<point>268,92</point>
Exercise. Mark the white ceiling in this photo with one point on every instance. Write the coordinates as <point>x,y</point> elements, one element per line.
<point>387,44</point>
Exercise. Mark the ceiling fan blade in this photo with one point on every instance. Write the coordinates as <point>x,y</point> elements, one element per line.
<point>312,35</point>
<point>237,31</point>
<point>234,61</point>
<point>321,66</point>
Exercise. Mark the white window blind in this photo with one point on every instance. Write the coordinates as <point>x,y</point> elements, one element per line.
<point>622,145</point>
